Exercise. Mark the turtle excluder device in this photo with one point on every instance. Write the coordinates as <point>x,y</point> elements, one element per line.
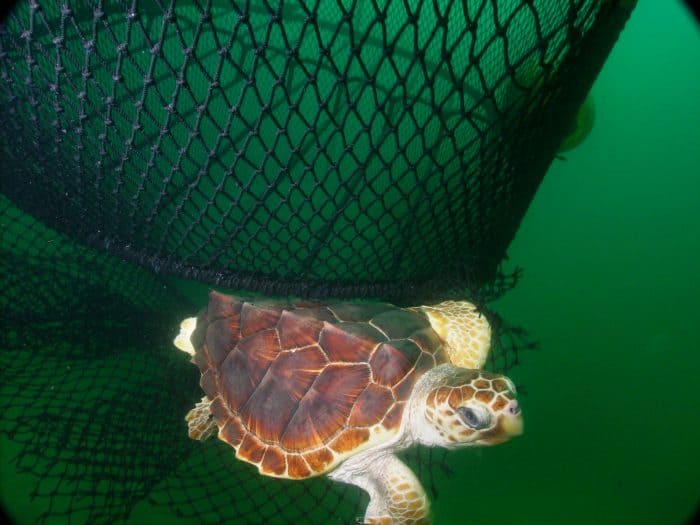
<point>348,150</point>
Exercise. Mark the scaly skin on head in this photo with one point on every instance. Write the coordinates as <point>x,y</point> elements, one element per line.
<point>464,330</point>
<point>465,408</point>
<point>459,405</point>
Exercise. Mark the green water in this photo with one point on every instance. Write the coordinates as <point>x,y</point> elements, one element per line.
<point>610,248</point>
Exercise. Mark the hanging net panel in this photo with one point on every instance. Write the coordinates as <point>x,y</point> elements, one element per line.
<point>318,149</point>
<point>329,148</point>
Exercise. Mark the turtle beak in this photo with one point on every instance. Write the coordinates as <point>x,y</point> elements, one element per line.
<point>511,421</point>
<point>510,424</point>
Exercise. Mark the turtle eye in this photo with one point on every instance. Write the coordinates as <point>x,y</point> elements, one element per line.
<point>473,418</point>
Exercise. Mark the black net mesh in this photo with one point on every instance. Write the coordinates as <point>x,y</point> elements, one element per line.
<point>94,394</point>
<point>363,148</point>
<point>325,148</point>
<point>84,368</point>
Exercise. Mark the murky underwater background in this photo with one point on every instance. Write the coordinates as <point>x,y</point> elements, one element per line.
<point>610,249</point>
<point>611,289</point>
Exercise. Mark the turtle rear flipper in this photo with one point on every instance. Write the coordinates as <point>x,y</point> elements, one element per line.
<point>200,422</point>
<point>182,341</point>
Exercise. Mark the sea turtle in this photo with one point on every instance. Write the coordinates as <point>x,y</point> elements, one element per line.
<point>303,389</point>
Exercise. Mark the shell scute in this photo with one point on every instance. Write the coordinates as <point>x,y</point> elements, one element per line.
<point>245,366</point>
<point>348,342</point>
<point>350,439</point>
<point>232,432</point>
<point>392,361</point>
<point>208,383</point>
<point>320,313</point>
<point>358,312</point>
<point>400,324</point>
<point>254,318</point>
<point>274,462</point>
<point>269,409</point>
<point>319,459</point>
<point>424,363</point>
<point>219,410</point>
<point>404,388</point>
<point>222,305</point>
<point>297,331</point>
<point>251,449</point>
<point>371,406</point>
<point>297,467</point>
<point>221,338</point>
<point>392,421</point>
<point>325,407</point>
<point>428,341</point>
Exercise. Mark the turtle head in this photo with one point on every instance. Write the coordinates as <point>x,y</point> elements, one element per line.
<point>464,330</point>
<point>471,407</point>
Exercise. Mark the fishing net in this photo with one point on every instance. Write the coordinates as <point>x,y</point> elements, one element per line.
<point>344,149</point>
<point>95,394</point>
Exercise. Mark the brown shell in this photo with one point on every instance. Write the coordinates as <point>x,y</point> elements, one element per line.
<point>294,387</point>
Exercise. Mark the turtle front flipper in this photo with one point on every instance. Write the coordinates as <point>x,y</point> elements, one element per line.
<point>464,329</point>
<point>200,422</point>
<point>396,497</point>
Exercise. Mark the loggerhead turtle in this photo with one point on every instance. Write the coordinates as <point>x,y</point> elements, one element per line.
<point>301,390</point>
